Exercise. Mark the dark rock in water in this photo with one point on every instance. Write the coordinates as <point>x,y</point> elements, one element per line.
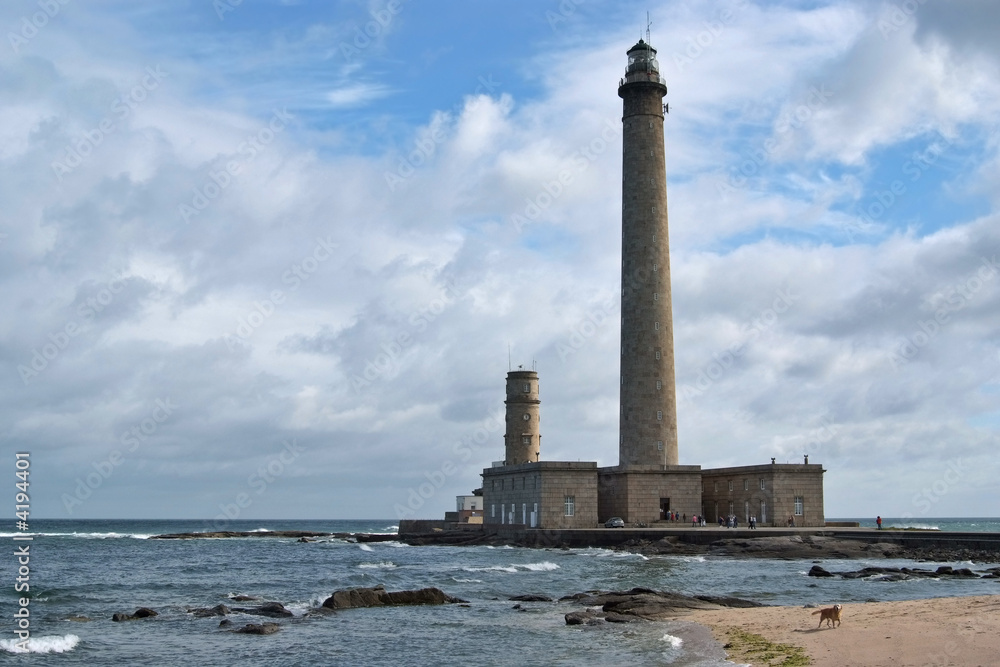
<point>612,617</point>
<point>817,571</point>
<point>217,610</point>
<point>944,569</point>
<point>243,598</point>
<point>648,604</point>
<point>964,572</point>
<point>225,623</point>
<point>258,629</point>
<point>272,609</point>
<point>531,598</point>
<point>517,606</point>
<point>581,617</point>
<point>141,612</point>
<point>379,597</point>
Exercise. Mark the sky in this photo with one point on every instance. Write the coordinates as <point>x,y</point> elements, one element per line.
<point>273,259</point>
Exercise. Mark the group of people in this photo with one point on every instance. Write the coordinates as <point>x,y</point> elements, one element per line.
<point>732,522</point>
<point>697,521</point>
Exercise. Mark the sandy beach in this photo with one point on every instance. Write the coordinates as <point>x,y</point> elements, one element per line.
<point>940,631</point>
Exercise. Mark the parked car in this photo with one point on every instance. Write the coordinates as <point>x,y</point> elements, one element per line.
<point>615,522</point>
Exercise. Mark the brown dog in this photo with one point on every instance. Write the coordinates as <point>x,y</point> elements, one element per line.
<point>831,615</point>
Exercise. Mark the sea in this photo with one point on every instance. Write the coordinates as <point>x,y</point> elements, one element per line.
<point>84,571</point>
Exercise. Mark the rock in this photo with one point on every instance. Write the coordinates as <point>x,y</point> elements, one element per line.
<point>79,619</point>
<point>225,623</point>
<point>652,605</point>
<point>817,571</point>
<point>731,602</point>
<point>379,597</point>
<point>141,612</point>
<point>258,629</point>
<point>243,598</point>
<point>217,610</point>
<point>964,572</point>
<point>580,617</point>
<point>272,609</point>
<point>530,598</point>
<point>944,569</point>
<point>621,618</point>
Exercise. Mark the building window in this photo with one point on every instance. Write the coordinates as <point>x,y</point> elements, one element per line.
<point>730,506</point>
<point>657,354</point>
<point>730,488</point>
<point>761,483</point>
<point>659,445</point>
<point>656,326</point>
<point>494,482</point>
<point>526,440</point>
<point>493,511</point>
<point>656,296</point>
<point>570,503</point>
<point>654,268</point>
<point>798,505</point>
<point>526,388</point>
<point>659,415</point>
<point>746,485</point>
<point>659,385</point>
<point>716,490</point>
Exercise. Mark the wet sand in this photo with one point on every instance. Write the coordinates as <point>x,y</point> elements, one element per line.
<point>940,631</point>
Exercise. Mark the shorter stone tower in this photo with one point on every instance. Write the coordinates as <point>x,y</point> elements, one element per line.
<point>523,438</point>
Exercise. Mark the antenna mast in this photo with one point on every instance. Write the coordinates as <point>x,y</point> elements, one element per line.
<point>649,55</point>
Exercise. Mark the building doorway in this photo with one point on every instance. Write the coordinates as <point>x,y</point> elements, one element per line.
<point>664,508</point>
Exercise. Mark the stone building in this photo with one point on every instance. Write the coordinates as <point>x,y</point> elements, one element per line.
<point>648,483</point>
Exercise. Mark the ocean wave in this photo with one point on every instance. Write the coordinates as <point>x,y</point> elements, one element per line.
<point>544,566</point>
<point>391,529</point>
<point>365,547</point>
<point>675,642</point>
<point>461,580</point>
<point>48,644</point>
<point>394,544</point>
<point>381,565</point>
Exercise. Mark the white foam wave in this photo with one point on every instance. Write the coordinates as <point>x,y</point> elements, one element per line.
<point>391,529</point>
<point>381,565</point>
<point>675,642</point>
<point>467,581</point>
<point>544,566</point>
<point>394,544</point>
<point>48,644</point>
<point>365,547</point>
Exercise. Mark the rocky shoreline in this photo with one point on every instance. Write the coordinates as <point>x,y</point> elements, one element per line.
<point>804,546</point>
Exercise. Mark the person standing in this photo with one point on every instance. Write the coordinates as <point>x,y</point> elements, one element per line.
<point>878,522</point>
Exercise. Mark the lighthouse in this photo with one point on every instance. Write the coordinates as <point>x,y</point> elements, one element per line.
<point>648,419</point>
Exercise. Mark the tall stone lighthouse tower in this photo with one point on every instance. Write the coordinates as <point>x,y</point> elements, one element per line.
<point>648,421</point>
<point>523,439</point>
